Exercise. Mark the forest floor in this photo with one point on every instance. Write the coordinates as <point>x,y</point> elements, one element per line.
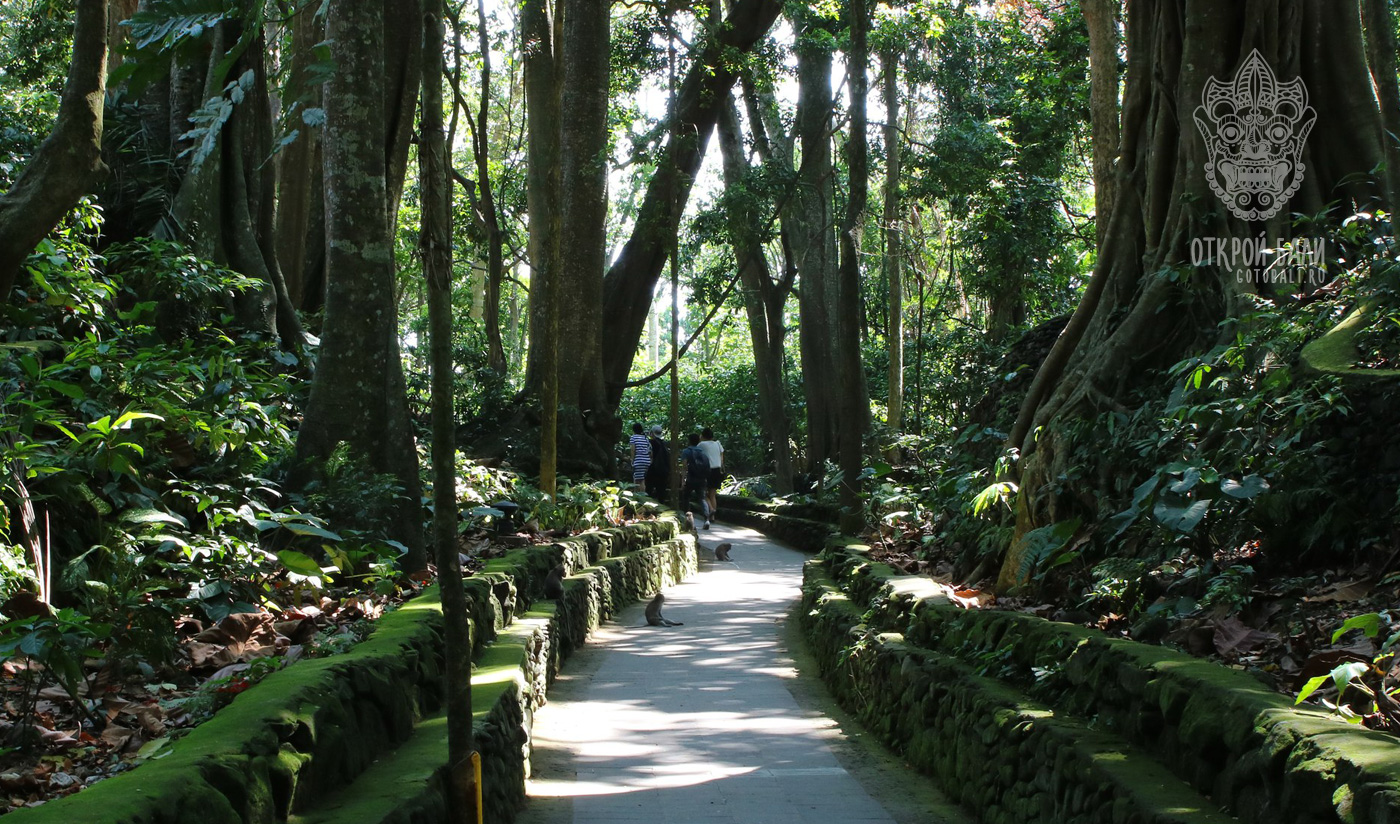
<point>1282,628</point>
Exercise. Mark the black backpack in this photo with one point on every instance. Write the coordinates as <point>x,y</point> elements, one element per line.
<point>660,459</point>
<point>697,466</point>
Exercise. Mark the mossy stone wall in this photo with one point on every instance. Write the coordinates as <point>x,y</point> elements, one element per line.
<point>305,732</point>
<point>948,685</point>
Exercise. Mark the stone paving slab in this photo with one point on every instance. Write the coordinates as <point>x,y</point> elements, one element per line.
<point>702,722</point>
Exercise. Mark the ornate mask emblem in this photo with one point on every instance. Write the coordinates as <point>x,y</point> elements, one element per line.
<point>1255,128</point>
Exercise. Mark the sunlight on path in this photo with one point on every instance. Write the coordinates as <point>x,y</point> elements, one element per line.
<point>694,723</point>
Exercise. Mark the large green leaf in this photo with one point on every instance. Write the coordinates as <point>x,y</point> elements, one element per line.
<point>1180,514</point>
<point>299,563</point>
<point>307,529</point>
<point>152,516</point>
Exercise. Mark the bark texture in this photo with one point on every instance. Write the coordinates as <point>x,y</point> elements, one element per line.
<point>1101,17</point>
<point>436,245</point>
<point>357,396</point>
<point>894,248</point>
<point>814,241</point>
<point>542,90</point>
<point>490,219</point>
<point>1135,317</point>
<point>68,164</point>
<point>853,413</point>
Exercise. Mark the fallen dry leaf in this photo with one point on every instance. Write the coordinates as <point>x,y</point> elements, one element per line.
<point>1233,638</point>
<point>1343,592</point>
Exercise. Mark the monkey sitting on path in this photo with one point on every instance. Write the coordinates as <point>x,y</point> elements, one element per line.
<point>722,552</point>
<point>654,616</point>
<point>554,583</point>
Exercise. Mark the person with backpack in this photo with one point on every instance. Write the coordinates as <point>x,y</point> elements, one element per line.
<point>659,472</point>
<point>697,473</point>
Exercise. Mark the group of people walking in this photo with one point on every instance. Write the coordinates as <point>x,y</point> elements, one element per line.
<point>702,463</point>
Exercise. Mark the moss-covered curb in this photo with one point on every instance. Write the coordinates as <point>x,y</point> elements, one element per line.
<point>307,731</point>
<point>1226,735</point>
<point>807,527</point>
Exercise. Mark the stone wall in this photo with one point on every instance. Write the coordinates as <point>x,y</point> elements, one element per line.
<point>308,741</point>
<point>1024,719</point>
<point>805,526</point>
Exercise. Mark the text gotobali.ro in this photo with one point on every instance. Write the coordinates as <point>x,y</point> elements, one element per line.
<point>1254,260</point>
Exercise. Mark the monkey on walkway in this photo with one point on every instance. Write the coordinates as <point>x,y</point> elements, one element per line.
<point>722,552</point>
<point>654,616</point>
<point>554,583</point>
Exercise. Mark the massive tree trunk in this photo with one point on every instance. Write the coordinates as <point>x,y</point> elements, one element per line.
<point>1135,316</point>
<point>1101,17</point>
<point>540,30</point>
<point>894,249</point>
<point>763,298</point>
<point>436,246</point>
<point>69,161</point>
<point>853,409</point>
<point>584,166</point>
<point>628,287</point>
<point>814,240</point>
<point>357,396</point>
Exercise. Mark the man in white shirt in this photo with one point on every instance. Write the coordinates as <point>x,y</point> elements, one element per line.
<point>714,451</point>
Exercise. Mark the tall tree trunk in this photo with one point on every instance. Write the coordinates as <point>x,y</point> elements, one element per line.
<point>490,220</point>
<point>542,90</point>
<point>585,53</point>
<point>68,163</point>
<point>814,240</point>
<point>299,178</point>
<point>1101,16</point>
<point>763,300</point>
<point>894,250</point>
<point>1380,51</point>
<point>853,412</point>
<point>436,246</point>
<point>357,396</point>
<point>1134,318</point>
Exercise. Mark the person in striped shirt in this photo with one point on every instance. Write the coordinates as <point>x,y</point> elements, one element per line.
<point>641,454</point>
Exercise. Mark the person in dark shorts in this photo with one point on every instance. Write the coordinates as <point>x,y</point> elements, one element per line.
<point>659,472</point>
<point>714,453</point>
<point>697,473</point>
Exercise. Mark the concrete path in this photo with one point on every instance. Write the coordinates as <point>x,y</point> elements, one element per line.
<point>711,722</point>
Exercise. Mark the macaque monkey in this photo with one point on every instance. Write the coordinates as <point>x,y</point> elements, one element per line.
<point>690,524</point>
<point>722,552</point>
<point>654,616</point>
<point>554,583</point>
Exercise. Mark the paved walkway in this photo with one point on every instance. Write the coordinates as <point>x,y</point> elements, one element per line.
<point>710,722</point>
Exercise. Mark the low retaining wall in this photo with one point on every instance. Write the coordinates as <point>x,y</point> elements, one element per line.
<point>287,748</point>
<point>807,527</point>
<point>1025,719</point>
